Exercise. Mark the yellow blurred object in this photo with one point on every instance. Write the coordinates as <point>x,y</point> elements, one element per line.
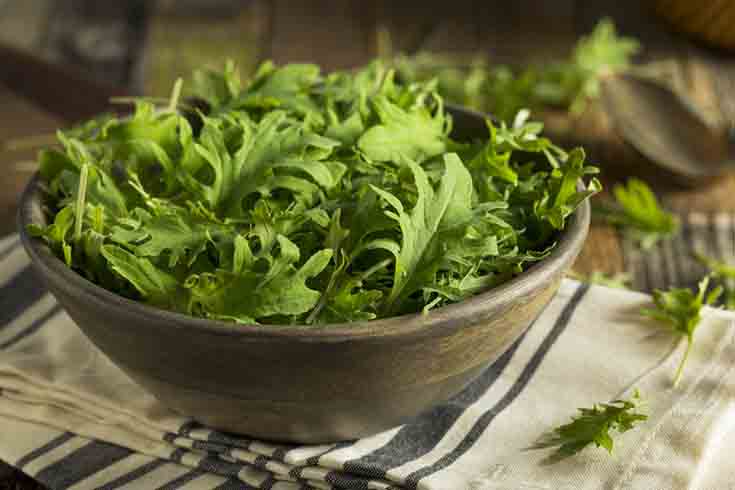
<point>712,21</point>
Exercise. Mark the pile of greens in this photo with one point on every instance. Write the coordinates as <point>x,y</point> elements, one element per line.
<point>502,91</point>
<point>303,198</point>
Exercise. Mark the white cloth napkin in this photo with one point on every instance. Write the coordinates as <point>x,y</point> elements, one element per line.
<point>71,419</point>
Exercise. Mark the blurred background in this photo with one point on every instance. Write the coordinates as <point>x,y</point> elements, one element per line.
<point>142,46</point>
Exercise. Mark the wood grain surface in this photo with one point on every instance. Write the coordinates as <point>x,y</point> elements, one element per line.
<point>343,34</point>
<point>19,118</point>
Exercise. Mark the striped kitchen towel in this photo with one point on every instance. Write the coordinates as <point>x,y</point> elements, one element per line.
<point>673,262</point>
<point>71,419</point>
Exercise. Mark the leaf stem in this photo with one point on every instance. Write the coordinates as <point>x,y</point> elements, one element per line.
<point>175,94</point>
<point>81,198</point>
<point>683,361</point>
<point>322,300</point>
<point>372,270</point>
<point>333,281</point>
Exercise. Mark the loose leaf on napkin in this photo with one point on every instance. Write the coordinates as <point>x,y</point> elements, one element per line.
<point>592,426</point>
<point>680,309</point>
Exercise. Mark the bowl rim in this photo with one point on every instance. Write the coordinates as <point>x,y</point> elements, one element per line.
<point>568,246</point>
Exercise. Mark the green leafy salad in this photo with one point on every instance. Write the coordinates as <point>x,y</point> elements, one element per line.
<point>303,198</point>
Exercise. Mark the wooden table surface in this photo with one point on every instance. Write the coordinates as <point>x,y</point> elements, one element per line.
<point>147,45</point>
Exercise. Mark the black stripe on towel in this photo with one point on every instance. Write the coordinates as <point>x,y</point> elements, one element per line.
<point>32,328</point>
<point>314,460</point>
<point>234,484</point>
<point>261,462</point>
<point>81,464</point>
<point>40,451</point>
<point>209,447</point>
<point>422,434</point>
<point>415,434</point>
<point>177,455</point>
<point>19,294</point>
<point>296,472</point>
<point>182,480</point>
<point>483,422</point>
<point>280,454</point>
<point>344,480</point>
<point>268,483</point>
<point>228,440</point>
<point>139,472</point>
<point>220,467</point>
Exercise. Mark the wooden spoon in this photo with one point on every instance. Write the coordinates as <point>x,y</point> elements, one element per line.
<point>666,130</point>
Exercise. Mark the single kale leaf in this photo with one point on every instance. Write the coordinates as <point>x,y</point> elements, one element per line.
<point>599,54</point>
<point>639,215</point>
<point>297,197</point>
<point>415,135</point>
<point>681,310</point>
<point>174,232</point>
<point>723,274</point>
<point>58,233</point>
<point>156,286</point>
<point>437,218</point>
<point>592,426</point>
<point>288,87</point>
<point>216,88</point>
<point>258,287</point>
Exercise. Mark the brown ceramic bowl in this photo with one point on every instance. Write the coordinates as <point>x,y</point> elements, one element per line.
<point>298,383</point>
